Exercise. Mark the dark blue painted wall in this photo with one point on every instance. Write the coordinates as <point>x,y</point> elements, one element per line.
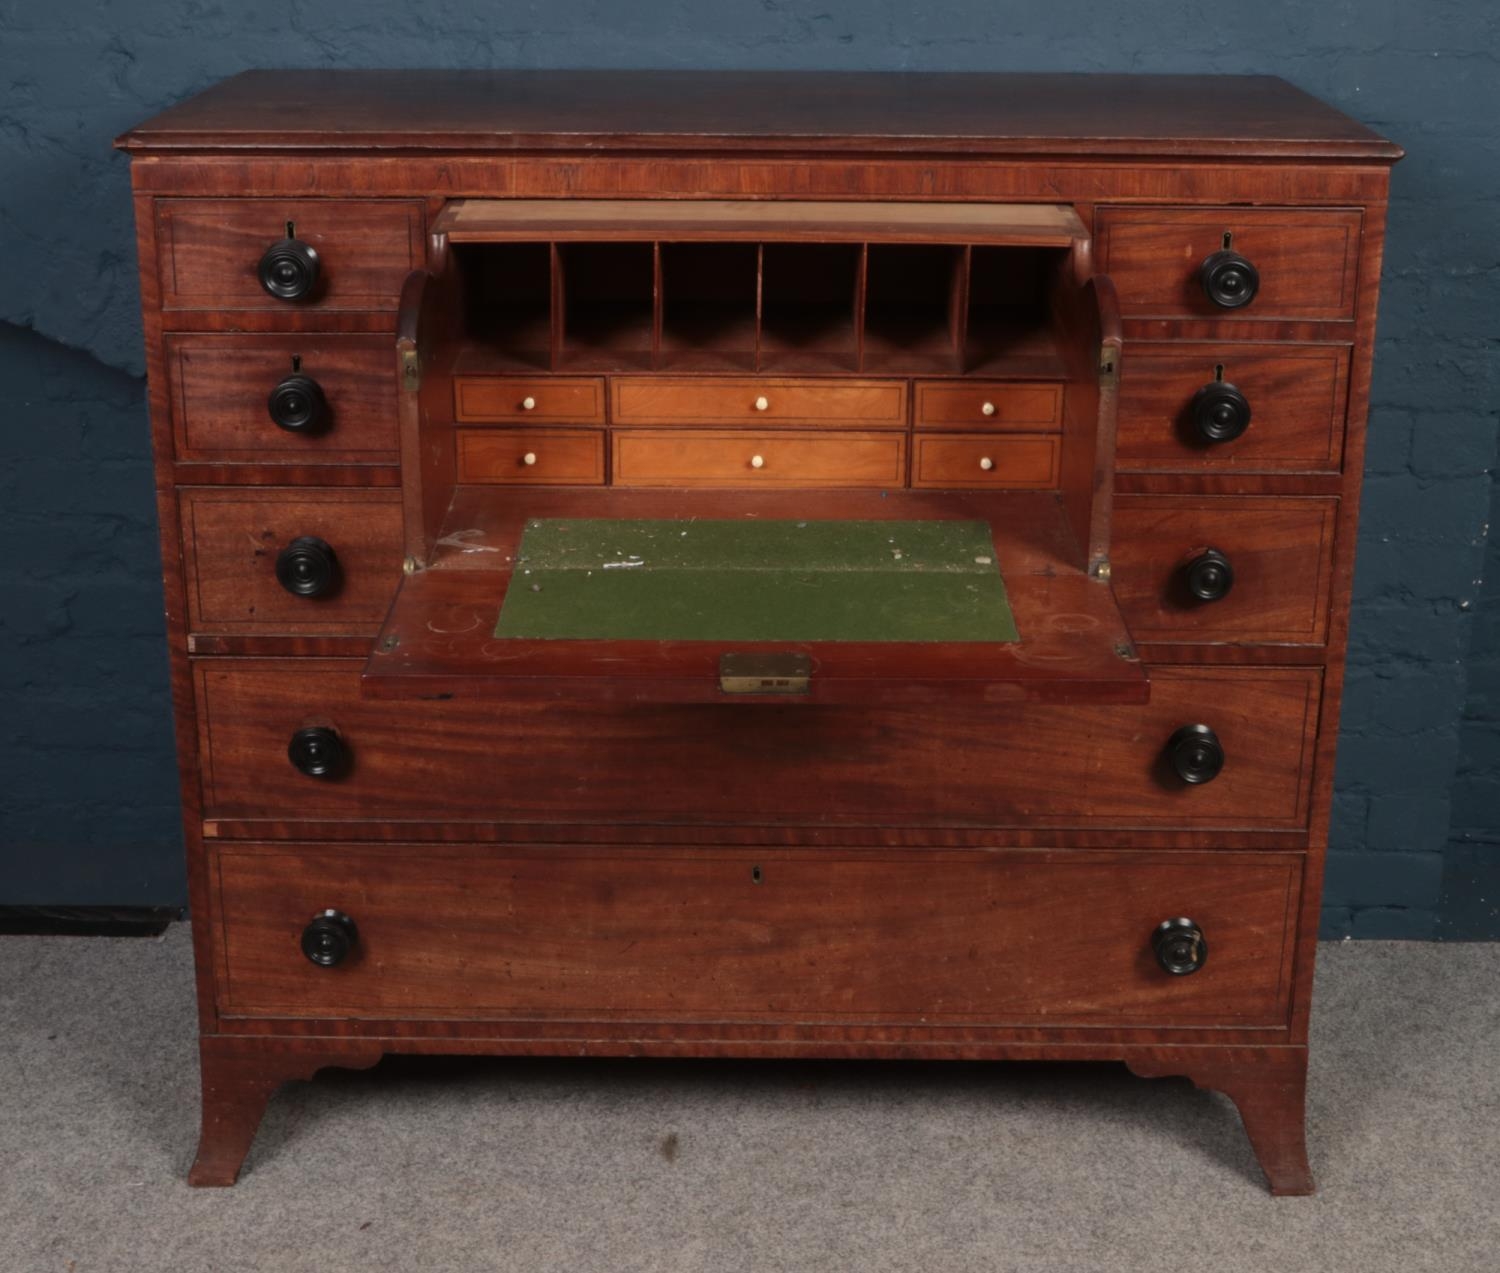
<point>88,807</point>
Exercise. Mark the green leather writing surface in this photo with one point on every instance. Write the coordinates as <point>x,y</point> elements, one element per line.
<point>740,580</point>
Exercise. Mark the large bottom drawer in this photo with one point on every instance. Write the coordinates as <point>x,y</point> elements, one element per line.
<point>915,937</point>
<point>959,765</point>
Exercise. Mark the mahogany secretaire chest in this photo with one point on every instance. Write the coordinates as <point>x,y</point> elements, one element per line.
<point>757,565</point>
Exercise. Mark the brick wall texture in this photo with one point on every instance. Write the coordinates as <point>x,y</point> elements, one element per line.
<point>88,814</point>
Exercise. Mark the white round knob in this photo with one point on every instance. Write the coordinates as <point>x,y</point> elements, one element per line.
<point>762,403</point>
<point>528,403</point>
<point>986,463</point>
<point>988,408</point>
<point>757,462</point>
<point>529,458</point>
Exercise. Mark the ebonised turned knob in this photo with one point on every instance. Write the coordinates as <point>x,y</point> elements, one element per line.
<point>1229,280</point>
<point>307,567</point>
<point>1220,412</point>
<point>289,270</point>
<point>297,405</point>
<point>318,751</point>
<point>1209,576</point>
<point>1179,946</point>
<point>1196,754</point>
<point>329,938</point>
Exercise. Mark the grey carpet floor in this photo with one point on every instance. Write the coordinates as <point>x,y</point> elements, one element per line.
<point>726,1166</point>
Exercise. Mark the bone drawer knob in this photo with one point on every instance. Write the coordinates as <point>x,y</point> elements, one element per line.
<point>762,403</point>
<point>988,408</point>
<point>986,463</point>
<point>529,458</point>
<point>528,403</point>
<point>757,462</point>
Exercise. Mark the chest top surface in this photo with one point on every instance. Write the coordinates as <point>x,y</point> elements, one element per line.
<point>1118,116</point>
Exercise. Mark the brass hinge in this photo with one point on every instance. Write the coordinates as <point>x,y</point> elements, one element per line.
<point>411,370</point>
<point>764,673</point>
<point>1109,364</point>
<point>1100,569</point>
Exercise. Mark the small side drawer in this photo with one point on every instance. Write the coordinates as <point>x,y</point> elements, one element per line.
<point>980,938</point>
<point>210,250</point>
<point>955,404</point>
<point>757,401</point>
<point>525,399</point>
<point>232,537</point>
<point>1278,548</point>
<point>1307,259</point>
<point>1009,461</point>
<point>221,399</point>
<point>705,457</point>
<point>1295,396</point>
<point>531,457</point>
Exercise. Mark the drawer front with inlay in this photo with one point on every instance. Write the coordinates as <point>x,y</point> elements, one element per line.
<point>722,457</point>
<point>987,405</point>
<point>1231,262</point>
<point>1201,407</point>
<point>1223,568</point>
<point>525,399</point>
<point>968,765</point>
<point>1053,938</point>
<point>213,251</point>
<point>283,399</point>
<point>272,560</point>
<point>757,402</point>
<point>531,457</point>
<point>1007,461</point>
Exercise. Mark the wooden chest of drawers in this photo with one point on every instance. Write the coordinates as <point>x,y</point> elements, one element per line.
<point>397,323</point>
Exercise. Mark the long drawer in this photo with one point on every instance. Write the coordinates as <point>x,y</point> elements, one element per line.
<point>759,401</point>
<point>964,765</point>
<point>916,938</point>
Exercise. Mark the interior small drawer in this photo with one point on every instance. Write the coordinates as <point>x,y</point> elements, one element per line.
<point>757,401</point>
<point>988,405</point>
<point>1001,764</point>
<point>263,560</point>
<point>314,399</point>
<point>525,399</point>
<point>1004,461</point>
<point>1166,261</point>
<point>1229,406</point>
<point>1222,568</point>
<point>724,457</point>
<point>531,457</point>
<point>211,251</point>
<point>755,934</point>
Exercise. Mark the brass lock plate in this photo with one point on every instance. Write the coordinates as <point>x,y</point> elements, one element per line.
<point>765,673</point>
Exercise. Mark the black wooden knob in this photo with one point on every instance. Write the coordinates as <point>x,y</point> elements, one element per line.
<point>289,270</point>
<point>1220,412</point>
<point>329,938</point>
<point>297,405</point>
<point>318,751</point>
<point>1229,280</point>
<point>1196,754</point>
<point>1179,946</point>
<point>1209,575</point>
<point>307,567</point>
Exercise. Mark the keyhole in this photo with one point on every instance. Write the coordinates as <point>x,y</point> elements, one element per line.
<point>1228,240</point>
<point>296,362</point>
<point>755,875</point>
<point>291,230</point>
<point>1218,371</point>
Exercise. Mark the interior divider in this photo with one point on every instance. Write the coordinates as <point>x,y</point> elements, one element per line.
<point>557,318</point>
<point>861,288</point>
